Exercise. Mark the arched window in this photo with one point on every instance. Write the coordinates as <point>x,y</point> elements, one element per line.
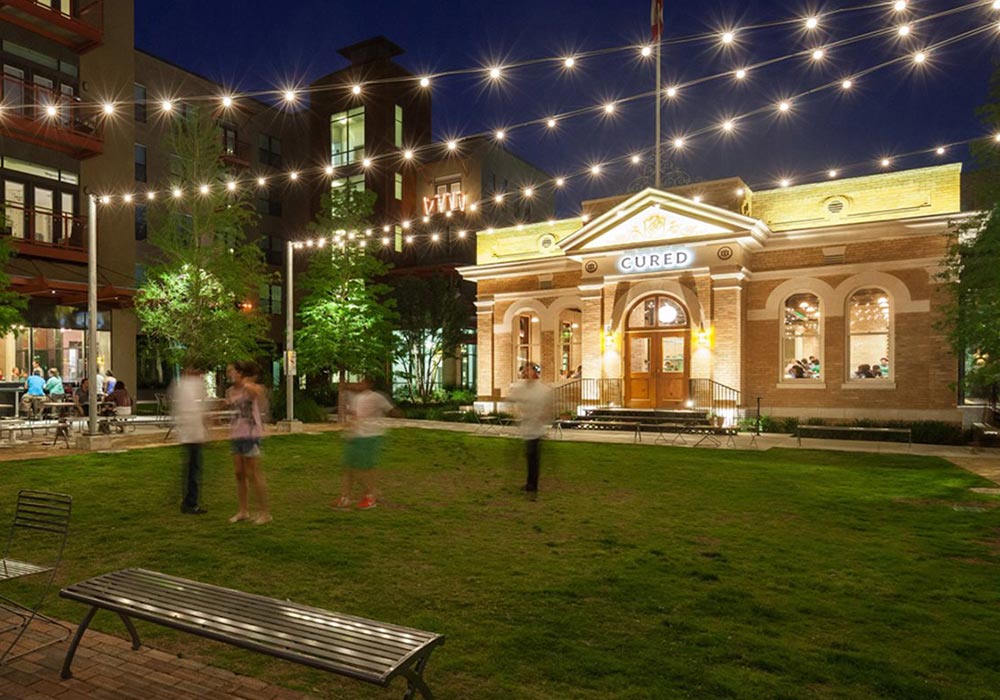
<point>568,352</point>
<point>869,346</point>
<point>657,312</point>
<point>802,338</point>
<point>527,343</point>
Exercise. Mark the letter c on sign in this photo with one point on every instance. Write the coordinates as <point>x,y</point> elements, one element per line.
<point>626,263</point>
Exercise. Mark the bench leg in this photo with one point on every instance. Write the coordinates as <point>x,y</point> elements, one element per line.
<point>71,652</point>
<point>131,631</point>
<point>415,680</point>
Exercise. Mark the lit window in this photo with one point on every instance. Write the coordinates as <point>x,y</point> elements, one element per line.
<point>658,312</point>
<point>399,186</point>
<point>527,344</point>
<point>802,338</point>
<point>869,313</point>
<point>347,136</point>
<point>569,350</point>
<point>399,127</point>
<point>355,182</point>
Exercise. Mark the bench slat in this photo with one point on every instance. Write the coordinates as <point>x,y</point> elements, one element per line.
<point>262,629</point>
<point>365,649</point>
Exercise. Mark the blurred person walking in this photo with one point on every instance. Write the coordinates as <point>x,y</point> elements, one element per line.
<point>246,397</point>
<point>533,402</point>
<point>365,411</point>
<point>187,405</point>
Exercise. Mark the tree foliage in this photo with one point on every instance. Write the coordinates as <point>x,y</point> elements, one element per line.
<point>972,317</point>
<point>346,316</point>
<point>433,323</point>
<point>200,297</point>
<point>12,304</point>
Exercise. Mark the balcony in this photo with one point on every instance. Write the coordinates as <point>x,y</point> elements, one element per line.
<point>235,153</point>
<point>26,116</point>
<point>78,24</point>
<point>42,233</point>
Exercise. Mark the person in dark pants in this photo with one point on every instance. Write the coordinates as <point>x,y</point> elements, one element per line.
<point>534,408</point>
<point>187,404</point>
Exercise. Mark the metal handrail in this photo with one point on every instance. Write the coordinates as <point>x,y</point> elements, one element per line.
<point>30,101</point>
<point>592,393</point>
<point>719,399</point>
<point>63,230</point>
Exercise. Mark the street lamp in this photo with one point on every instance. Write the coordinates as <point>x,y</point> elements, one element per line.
<point>289,425</point>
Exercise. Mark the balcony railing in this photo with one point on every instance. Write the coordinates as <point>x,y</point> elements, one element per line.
<point>235,153</point>
<point>78,24</point>
<point>42,116</point>
<point>45,233</point>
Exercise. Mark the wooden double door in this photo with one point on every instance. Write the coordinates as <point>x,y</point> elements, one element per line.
<point>657,368</point>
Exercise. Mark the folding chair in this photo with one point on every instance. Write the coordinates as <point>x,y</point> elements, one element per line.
<point>39,532</point>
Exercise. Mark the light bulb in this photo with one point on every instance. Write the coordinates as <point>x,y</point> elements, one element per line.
<point>885,162</point>
<point>899,5</point>
<point>231,186</point>
<point>919,57</point>
<point>293,176</point>
<point>176,192</point>
<point>847,84</point>
<point>500,135</point>
<point>569,62</point>
<point>940,150</point>
<point>529,192</point>
<point>366,163</point>
<point>647,51</point>
<point>452,145</point>
<point>678,143</point>
<point>595,170</point>
<point>784,105</point>
<point>728,125</point>
<point>166,105</point>
<point>109,108</point>
<point>51,110</point>
<point>355,89</point>
<point>495,73</point>
<point>560,181</point>
<point>328,170</point>
<point>904,30</point>
<point>609,108</point>
<point>785,182</point>
<point>551,123</point>
<point>408,154</point>
<point>635,159</point>
<point>151,195</point>
<point>728,37</point>
<point>671,92</point>
<point>741,73</point>
<point>105,199</point>
<point>425,82</point>
<point>261,181</point>
<point>832,173</point>
<point>127,198</point>
<point>812,23</point>
<point>203,189</point>
<point>818,54</point>
<point>290,96</point>
<point>227,101</point>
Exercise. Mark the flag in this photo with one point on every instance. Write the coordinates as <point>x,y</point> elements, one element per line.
<point>656,19</point>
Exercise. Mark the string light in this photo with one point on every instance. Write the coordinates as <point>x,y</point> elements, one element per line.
<point>812,23</point>
<point>327,170</point>
<point>785,182</point>
<point>919,57</point>
<point>293,176</point>
<point>109,108</point>
<point>609,108</point>
<point>560,181</point>
<point>595,169</point>
<point>899,5</point>
<point>500,135</point>
<point>569,62</point>
<point>127,198</point>
<point>425,82</point>
<point>52,111</point>
<point>636,159</point>
<point>290,96</point>
<point>105,199</point>
<point>452,145</point>
<point>904,30</point>
<point>832,173</point>
<point>678,143</point>
<point>231,186</point>
<point>177,193</point>
<point>551,123</point>
<point>741,73</point>
<point>784,106</point>
<point>166,105</point>
<point>227,101</point>
<point>408,154</point>
<point>671,92</point>
<point>151,195</point>
<point>847,84</point>
<point>939,150</point>
<point>495,73</point>
<point>885,162</point>
<point>728,37</point>
<point>262,181</point>
<point>528,192</point>
<point>204,189</point>
<point>728,125</point>
<point>355,89</point>
<point>646,51</point>
<point>818,54</point>
<point>366,163</point>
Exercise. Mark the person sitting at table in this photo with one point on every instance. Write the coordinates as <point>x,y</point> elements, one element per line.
<point>54,386</point>
<point>15,374</point>
<point>34,396</point>
<point>109,382</point>
<point>81,397</point>
<point>121,399</point>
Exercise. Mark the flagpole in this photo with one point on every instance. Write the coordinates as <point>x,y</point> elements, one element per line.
<point>658,101</point>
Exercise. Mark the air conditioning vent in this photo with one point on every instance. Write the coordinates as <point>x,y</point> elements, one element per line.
<point>834,256</point>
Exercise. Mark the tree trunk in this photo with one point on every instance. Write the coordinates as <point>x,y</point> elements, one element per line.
<point>341,398</point>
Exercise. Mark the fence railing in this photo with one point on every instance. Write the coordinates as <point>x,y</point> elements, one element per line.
<point>43,104</point>
<point>44,226</point>
<point>719,399</point>
<point>590,393</point>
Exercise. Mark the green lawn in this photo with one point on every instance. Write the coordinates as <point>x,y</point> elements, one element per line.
<point>641,572</point>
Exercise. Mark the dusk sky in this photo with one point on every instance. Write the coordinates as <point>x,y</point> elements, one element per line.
<point>897,109</point>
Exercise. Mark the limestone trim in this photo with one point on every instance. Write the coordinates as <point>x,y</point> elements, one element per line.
<point>554,292</point>
<point>696,312</point>
<point>651,198</point>
<point>869,231</point>
<point>548,316</point>
<point>868,385</point>
<point>796,384</point>
<point>853,268</point>
<point>835,300</point>
<point>522,268</point>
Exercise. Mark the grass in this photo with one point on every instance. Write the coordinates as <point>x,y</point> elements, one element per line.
<point>641,572</point>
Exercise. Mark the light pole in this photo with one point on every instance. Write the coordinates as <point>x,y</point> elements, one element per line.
<point>289,425</point>
<point>92,440</point>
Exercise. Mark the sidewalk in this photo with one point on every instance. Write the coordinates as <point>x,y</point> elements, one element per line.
<point>105,667</point>
<point>982,461</point>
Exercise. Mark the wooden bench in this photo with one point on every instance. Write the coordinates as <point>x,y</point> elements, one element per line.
<point>366,650</point>
<point>851,430</point>
<point>593,424</point>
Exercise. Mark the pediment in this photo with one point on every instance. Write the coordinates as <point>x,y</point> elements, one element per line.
<point>655,218</point>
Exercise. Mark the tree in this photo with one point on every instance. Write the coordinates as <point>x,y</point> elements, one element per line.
<point>433,322</point>
<point>199,298</point>
<point>12,304</point>
<point>346,316</point>
<point>972,315</point>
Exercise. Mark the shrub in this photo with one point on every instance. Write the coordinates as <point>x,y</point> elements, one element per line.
<point>307,409</point>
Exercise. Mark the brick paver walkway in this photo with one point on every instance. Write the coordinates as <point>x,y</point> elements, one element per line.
<point>106,668</point>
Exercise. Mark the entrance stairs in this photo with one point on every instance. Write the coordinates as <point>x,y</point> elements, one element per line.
<point>613,418</point>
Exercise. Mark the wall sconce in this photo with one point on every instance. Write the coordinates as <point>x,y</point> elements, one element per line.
<point>704,337</point>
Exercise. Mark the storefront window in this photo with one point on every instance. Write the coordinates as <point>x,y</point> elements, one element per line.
<point>802,338</point>
<point>56,340</point>
<point>869,314</point>
<point>528,349</point>
<point>658,312</point>
<point>569,351</point>
<point>347,136</point>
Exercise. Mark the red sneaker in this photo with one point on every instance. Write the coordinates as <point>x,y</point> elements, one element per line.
<point>366,503</point>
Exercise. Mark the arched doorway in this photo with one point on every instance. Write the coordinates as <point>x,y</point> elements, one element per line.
<point>658,353</point>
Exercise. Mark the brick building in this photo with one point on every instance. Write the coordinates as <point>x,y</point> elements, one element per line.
<point>819,299</point>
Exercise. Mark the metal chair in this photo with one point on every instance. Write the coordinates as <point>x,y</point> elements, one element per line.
<point>35,545</point>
